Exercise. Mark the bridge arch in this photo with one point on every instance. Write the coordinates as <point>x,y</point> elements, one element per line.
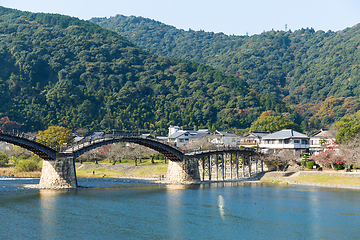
<point>39,149</point>
<point>168,151</point>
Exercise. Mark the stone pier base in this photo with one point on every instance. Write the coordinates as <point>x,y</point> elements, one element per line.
<point>58,174</point>
<point>183,172</point>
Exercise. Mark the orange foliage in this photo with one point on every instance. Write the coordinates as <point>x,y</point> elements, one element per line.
<point>286,115</point>
<point>265,114</point>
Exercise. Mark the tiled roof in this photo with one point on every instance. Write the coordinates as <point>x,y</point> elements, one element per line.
<point>284,134</point>
<point>323,133</point>
<point>257,134</point>
<point>178,134</point>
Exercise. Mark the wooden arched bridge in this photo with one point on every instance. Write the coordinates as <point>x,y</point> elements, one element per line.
<point>59,163</point>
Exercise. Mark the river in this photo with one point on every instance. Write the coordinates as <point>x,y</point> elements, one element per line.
<point>131,209</point>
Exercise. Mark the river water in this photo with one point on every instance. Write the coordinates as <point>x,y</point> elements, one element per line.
<point>130,209</point>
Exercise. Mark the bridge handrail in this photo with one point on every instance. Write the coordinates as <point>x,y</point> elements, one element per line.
<point>27,136</point>
<point>87,141</point>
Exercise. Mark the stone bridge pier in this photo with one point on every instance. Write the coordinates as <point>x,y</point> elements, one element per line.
<point>59,173</point>
<point>186,171</point>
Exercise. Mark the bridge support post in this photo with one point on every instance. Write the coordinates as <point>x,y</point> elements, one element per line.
<point>223,162</point>
<point>210,168</point>
<point>237,165</point>
<point>249,166</point>
<point>231,167</point>
<point>203,167</point>
<point>243,165</point>
<point>256,165</point>
<point>59,173</point>
<point>217,167</point>
<point>186,171</point>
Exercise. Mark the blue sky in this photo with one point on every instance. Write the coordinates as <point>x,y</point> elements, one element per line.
<point>227,16</point>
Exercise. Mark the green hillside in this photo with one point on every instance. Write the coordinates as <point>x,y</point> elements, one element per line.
<point>58,70</point>
<point>316,73</point>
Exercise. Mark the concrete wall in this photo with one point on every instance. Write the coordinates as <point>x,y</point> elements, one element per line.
<point>186,171</point>
<point>58,174</point>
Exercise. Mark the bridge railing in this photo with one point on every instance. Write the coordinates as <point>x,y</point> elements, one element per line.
<point>16,133</point>
<point>215,149</point>
<point>87,141</point>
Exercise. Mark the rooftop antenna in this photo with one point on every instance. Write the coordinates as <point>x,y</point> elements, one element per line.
<point>285,27</point>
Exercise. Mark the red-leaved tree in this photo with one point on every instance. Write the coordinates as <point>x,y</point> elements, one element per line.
<point>6,124</point>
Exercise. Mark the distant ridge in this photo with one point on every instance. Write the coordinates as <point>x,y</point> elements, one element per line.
<point>59,70</point>
<point>316,73</point>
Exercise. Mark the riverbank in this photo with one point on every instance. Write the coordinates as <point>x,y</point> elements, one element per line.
<point>332,179</point>
<point>10,172</point>
<point>121,170</point>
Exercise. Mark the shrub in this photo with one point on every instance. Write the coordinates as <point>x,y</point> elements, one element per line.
<point>338,166</point>
<point>310,164</point>
<point>305,159</point>
<point>32,164</point>
<point>355,166</point>
<point>4,159</point>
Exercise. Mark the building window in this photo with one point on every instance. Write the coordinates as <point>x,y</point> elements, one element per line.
<point>286,141</point>
<point>296,141</point>
<point>304,141</point>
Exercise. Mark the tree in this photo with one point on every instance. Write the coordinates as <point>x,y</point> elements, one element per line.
<point>285,157</point>
<point>351,151</point>
<point>329,157</point>
<point>4,159</point>
<point>6,124</point>
<point>273,124</point>
<point>348,127</point>
<point>55,136</point>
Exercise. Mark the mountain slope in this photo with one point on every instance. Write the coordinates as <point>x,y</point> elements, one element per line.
<point>303,67</point>
<point>59,70</point>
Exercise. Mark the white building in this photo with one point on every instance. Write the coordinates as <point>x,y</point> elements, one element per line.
<point>286,139</point>
<point>319,140</point>
<point>225,139</point>
<point>253,138</point>
<point>182,137</point>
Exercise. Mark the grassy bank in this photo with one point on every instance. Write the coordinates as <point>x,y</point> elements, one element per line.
<point>325,179</point>
<point>120,170</point>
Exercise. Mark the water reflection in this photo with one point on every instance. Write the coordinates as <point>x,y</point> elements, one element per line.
<point>174,212</point>
<point>221,203</point>
<point>49,212</point>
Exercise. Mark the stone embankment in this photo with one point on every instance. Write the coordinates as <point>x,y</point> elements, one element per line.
<point>333,179</point>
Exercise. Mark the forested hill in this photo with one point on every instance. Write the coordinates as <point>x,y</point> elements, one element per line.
<point>58,70</point>
<point>315,72</point>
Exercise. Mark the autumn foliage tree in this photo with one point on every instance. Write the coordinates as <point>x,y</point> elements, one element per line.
<point>6,124</point>
<point>55,136</point>
<point>330,157</point>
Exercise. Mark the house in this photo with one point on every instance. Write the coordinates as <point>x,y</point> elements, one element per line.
<point>320,139</point>
<point>198,137</point>
<point>225,138</point>
<point>182,137</point>
<point>252,139</point>
<point>286,139</point>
